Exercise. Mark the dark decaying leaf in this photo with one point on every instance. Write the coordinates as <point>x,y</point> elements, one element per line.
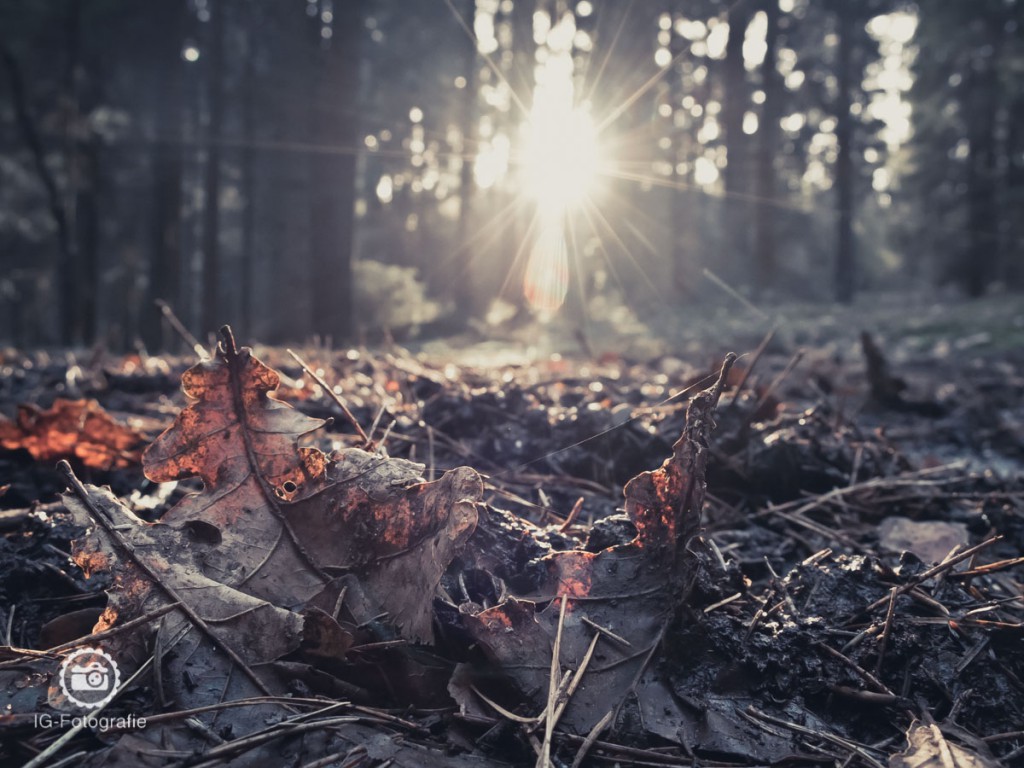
<point>631,590</point>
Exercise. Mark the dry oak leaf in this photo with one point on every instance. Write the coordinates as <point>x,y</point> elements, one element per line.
<point>78,429</point>
<point>242,443</point>
<point>283,523</point>
<point>254,629</point>
<point>630,589</point>
<point>396,534</point>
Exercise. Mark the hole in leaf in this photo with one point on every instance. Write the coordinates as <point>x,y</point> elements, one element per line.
<point>203,533</point>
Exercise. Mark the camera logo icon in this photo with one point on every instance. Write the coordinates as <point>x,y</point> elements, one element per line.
<point>89,677</point>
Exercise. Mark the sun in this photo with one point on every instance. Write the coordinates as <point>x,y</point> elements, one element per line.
<point>561,163</point>
<point>561,155</point>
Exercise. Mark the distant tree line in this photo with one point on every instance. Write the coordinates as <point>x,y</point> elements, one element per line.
<point>286,167</point>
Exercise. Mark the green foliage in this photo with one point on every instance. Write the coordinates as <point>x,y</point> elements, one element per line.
<point>390,297</point>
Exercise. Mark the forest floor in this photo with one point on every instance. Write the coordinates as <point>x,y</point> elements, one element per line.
<point>853,594</point>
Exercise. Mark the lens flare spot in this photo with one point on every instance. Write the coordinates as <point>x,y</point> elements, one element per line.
<point>547,271</point>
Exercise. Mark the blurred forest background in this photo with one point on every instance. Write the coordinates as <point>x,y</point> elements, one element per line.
<point>338,167</point>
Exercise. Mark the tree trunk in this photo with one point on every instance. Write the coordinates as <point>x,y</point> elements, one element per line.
<point>845,265</point>
<point>72,281</point>
<point>30,134</point>
<point>681,205</point>
<point>982,255</point>
<point>467,289</point>
<point>248,161</point>
<point>734,105</point>
<point>165,254</point>
<point>213,312</point>
<point>765,263</point>
<point>335,127</point>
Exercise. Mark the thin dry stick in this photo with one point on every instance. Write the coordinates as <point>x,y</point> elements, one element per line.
<point>588,742</point>
<point>793,363</point>
<point>757,716</point>
<point>981,570</point>
<point>866,676</point>
<point>216,756</point>
<point>181,330</point>
<point>884,640</point>
<point>734,293</point>
<point>577,678</point>
<point>507,714</point>
<point>573,514</point>
<point>329,391</point>
<point>544,761</point>
<point>936,569</point>
<point>97,514</point>
<point>606,632</point>
<point>286,701</point>
<point>750,367</point>
<point>373,426</point>
<point>128,625</point>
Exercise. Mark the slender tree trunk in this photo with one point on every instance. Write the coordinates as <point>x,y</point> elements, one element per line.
<point>765,265</point>
<point>1013,269</point>
<point>88,234</point>
<point>30,134</point>
<point>248,161</point>
<point>845,265</point>
<point>164,282</point>
<point>737,241</point>
<point>336,128</point>
<point>73,283</point>
<point>467,289</point>
<point>683,266</point>
<point>978,268</point>
<point>213,313</point>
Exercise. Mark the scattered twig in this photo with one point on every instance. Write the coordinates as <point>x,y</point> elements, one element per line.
<point>866,676</point>
<point>181,330</point>
<point>860,750</point>
<point>329,391</point>
<point>750,366</point>
<point>573,514</point>
<point>884,639</point>
<point>592,737</point>
<point>544,761</point>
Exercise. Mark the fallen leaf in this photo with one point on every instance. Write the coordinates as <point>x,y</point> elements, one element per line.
<point>619,600</point>
<point>242,443</point>
<point>78,429</point>
<point>927,747</point>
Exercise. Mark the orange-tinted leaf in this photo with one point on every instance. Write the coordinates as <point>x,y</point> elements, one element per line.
<point>242,443</point>
<point>78,429</point>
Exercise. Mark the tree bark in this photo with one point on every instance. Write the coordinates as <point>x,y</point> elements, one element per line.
<point>335,128</point>
<point>213,313</point>
<point>765,260</point>
<point>845,264</point>
<point>982,255</point>
<point>165,249</point>
<point>30,134</point>
<point>734,106</point>
<point>467,289</point>
<point>248,162</point>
